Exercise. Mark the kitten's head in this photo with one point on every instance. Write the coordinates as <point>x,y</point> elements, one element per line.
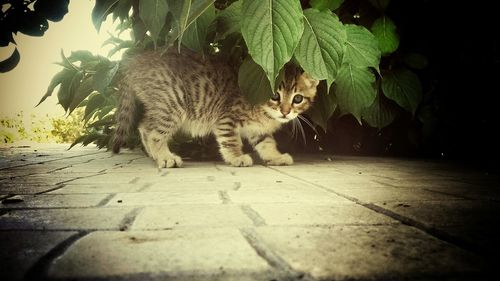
<point>295,95</point>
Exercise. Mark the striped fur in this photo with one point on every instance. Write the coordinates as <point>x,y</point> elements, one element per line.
<point>201,96</point>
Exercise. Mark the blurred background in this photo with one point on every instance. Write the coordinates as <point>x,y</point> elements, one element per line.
<point>22,87</point>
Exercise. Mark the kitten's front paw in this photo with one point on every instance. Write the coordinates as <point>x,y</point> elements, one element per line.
<point>170,161</point>
<point>282,160</point>
<point>241,161</point>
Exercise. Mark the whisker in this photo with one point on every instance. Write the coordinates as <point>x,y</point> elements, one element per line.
<point>293,129</point>
<point>308,123</point>
<point>301,129</point>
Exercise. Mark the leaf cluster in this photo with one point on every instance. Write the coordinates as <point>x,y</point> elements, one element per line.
<point>352,46</point>
<point>86,81</point>
<point>30,17</point>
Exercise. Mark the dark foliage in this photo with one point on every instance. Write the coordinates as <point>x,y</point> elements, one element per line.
<point>30,17</point>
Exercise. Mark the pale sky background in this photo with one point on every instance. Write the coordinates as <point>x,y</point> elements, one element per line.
<point>22,87</point>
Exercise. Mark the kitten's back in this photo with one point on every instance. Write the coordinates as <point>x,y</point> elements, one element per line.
<point>186,84</point>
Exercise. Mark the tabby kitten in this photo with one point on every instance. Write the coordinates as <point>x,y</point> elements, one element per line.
<point>200,95</point>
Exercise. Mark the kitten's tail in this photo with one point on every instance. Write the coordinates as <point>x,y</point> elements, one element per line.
<point>125,115</point>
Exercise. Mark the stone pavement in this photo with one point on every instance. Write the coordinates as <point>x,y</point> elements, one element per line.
<point>85,214</point>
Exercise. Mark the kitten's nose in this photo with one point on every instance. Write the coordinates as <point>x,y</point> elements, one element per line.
<point>285,112</point>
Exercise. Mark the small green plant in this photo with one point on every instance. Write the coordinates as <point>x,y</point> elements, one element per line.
<point>42,129</point>
<point>351,45</point>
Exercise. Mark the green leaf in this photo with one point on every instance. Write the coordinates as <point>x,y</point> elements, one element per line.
<point>95,101</point>
<point>416,61</point>
<point>384,30</point>
<point>361,47</point>
<point>354,89</point>
<point>380,4</point>
<point>154,14</point>
<point>102,9</point>
<point>105,72</point>
<point>77,141</point>
<point>122,10</point>
<point>102,112</point>
<point>195,35</point>
<point>88,138</point>
<point>107,120</point>
<point>322,45</point>
<point>56,80</point>
<point>329,5</point>
<point>229,20</point>
<point>253,82</point>
<point>123,45</point>
<point>65,62</point>
<point>324,106</point>
<point>185,13</point>
<point>68,88</point>
<point>81,55</point>
<point>11,62</point>
<point>403,87</point>
<point>272,30</point>
<point>381,113</point>
<point>139,30</point>
<point>112,40</point>
<point>83,91</point>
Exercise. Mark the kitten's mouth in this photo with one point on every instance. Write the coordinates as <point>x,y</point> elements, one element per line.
<point>284,119</point>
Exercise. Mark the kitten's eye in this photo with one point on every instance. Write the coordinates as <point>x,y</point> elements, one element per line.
<point>298,99</point>
<point>275,97</point>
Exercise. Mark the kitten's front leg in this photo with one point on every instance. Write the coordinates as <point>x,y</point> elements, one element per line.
<point>230,145</point>
<point>266,147</point>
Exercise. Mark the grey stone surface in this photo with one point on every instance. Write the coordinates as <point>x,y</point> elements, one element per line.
<point>339,213</point>
<point>36,179</point>
<point>23,188</point>
<point>86,214</point>
<point>367,253</point>
<point>387,194</point>
<point>20,250</point>
<point>196,252</point>
<point>95,188</point>
<point>65,219</point>
<point>188,215</point>
<point>473,221</point>
<point>56,201</point>
<point>165,198</point>
<point>284,196</point>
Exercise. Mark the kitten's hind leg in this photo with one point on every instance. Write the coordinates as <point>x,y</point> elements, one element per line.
<point>230,144</point>
<point>266,147</point>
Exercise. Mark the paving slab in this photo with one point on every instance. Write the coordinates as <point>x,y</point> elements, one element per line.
<point>368,253</point>
<point>65,219</point>
<point>164,198</point>
<point>473,221</point>
<point>244,196</point>
<point>21,250</point>
<point>26,188</point>
<point>300,214</point>
<point>189,215</point>
<point>87,214</point>
<point>468,191</point>
<point>385,194</point>
<point>113,187</point>
<point>56,201</point>
<point>193,253</point>
<point>104,178</point>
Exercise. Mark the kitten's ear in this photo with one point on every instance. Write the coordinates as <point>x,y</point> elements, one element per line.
<point>309,81</point>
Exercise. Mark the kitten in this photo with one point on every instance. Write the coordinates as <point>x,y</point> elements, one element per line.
<point>200,95</point>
